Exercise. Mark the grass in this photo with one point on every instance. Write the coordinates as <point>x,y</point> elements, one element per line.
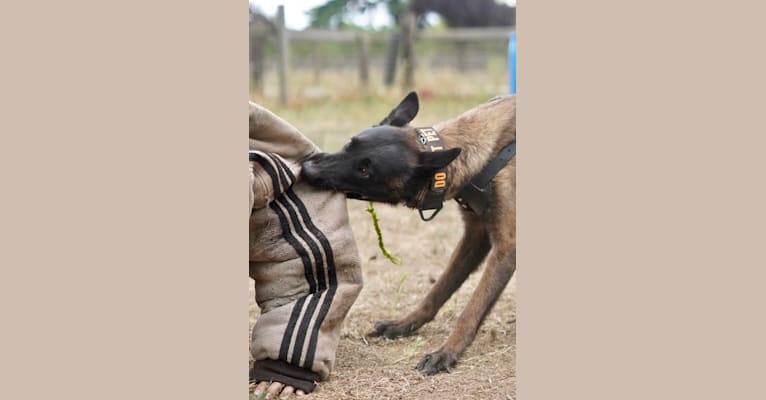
<point>336,106</point>
<point>400,288</point>
<point>330,112</point>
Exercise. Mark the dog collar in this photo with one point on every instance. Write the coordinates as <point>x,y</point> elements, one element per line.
<point>434,198</point>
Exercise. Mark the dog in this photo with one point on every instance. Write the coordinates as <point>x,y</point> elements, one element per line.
<point>396,163</point>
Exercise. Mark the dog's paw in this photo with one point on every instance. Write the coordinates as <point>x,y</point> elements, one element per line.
<point>391,329</point>
<point>435,362</point>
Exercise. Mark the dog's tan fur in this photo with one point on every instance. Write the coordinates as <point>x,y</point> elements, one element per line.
<point>480,133</point>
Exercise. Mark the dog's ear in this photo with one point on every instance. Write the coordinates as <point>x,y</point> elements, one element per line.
<point>438,159</point>
<point>404,112</point>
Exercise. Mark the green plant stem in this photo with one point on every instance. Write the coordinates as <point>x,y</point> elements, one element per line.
<point>394,259</point>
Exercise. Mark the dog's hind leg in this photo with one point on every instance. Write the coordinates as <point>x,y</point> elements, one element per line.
<point>470,252</point>
<point>499,270</point>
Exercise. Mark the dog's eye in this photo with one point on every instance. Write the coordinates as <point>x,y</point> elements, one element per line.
<point>363,172</point>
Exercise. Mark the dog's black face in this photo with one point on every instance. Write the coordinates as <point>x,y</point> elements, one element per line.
<point>383,164</point>
<point>371,166</point>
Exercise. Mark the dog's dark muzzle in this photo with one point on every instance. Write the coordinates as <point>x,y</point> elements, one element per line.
<point>317,170</point>
<point>311,173</point>
<point>355,196</point>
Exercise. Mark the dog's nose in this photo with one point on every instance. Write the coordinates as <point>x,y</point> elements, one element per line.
<point>308,171</point>
<point>307,167</point>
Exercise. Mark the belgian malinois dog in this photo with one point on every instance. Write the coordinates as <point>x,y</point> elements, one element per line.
<point>396,163</point>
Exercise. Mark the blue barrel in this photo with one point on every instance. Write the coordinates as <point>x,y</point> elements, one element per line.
<point>512,62</point>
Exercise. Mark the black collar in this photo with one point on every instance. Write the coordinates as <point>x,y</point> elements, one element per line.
<point>474,197</point>
<point>437,188</point>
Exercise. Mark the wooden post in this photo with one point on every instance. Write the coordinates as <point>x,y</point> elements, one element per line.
<point>259,32</point>
<point>283,48</point>
<point>363,45</point>
<point>254,78</point>
<point>391,54</point>
<point>462,62</point>
<point>316,61</point>
<point>408,48</point>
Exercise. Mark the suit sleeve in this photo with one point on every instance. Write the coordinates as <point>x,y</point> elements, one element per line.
<point>272,138</point>
<point>272,134</point>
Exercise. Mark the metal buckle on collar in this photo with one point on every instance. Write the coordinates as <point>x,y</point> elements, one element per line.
<point>474,199</point>
<point>433,201</point>
<point>432,216</point>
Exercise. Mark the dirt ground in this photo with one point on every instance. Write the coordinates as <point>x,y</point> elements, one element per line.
<point>375,368</point>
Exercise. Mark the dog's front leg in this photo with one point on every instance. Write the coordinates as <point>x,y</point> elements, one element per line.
<point>470,252</point>
<point>500,267</point>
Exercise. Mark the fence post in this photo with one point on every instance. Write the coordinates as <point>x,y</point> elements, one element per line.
<point>363,44</point>
<point>408,47</point>
<point>512,62</point>
<point>258,35</point>
<point>283,48</point>
<point>392,52</point>
<point>316,61</point>
<point>462,63</point>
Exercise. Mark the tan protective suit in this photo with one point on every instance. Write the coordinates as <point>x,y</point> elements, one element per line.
<point>303,259</point>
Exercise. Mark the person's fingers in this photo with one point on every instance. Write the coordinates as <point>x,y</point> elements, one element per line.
<point>287,391</point>
<point>260,388</point>
<point>273,390</point>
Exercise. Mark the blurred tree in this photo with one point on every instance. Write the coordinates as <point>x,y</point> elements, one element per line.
<point>467,13</point>
<point>456,13</point>
<point>333,13</point>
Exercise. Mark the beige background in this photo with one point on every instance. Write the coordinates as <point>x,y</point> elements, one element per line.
<point>640,200</point>
<point>124,177</point>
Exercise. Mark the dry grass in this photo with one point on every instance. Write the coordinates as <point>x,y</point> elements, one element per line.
<point>373,368</point>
